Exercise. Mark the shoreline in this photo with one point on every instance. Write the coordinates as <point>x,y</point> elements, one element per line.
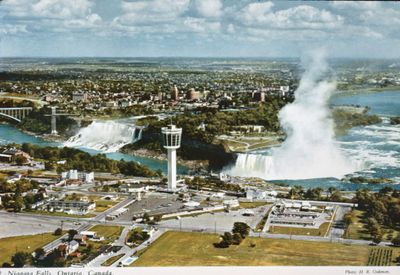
<point>365,90</point>
<point>145,153</point>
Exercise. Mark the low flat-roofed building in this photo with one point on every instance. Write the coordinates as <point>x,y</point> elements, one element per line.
<point>71,207</point>
<point>117,213</point>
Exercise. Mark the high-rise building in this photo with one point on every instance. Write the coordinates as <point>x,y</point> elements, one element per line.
<point>172,141</point>
<point>192,94</point>
<point>175,93</point>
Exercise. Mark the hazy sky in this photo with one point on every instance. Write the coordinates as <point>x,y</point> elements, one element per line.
<point>197,28</point>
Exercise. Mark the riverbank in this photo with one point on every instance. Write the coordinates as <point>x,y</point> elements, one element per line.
<point>366,90</point>
<point>152,154</point>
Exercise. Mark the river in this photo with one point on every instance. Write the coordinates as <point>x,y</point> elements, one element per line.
<point>376,146</point>
<point>375,149</point>
<point>11,134</point>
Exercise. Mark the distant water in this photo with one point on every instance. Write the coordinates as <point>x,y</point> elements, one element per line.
<point>374,149</point>
<point>10,134</point>
<point>377,146</point>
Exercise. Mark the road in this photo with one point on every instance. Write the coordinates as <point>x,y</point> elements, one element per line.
<point>216,223</point>
<point>17,225</point>
<point>86,226</point>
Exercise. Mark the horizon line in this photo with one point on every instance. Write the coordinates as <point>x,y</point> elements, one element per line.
<point>199,57</point>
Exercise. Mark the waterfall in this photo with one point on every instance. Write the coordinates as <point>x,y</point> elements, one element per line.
<point>310,150</point>
<point>106,136</point>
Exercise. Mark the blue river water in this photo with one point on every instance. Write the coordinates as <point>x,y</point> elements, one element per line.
<point>10,134</point>
<point>377,147</point>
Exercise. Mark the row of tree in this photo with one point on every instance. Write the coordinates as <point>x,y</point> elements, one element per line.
<point>332,194</point>
<point>77,159</point>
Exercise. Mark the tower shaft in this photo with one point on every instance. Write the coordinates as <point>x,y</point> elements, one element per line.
<point>172,169</point>
<point>53,121</point>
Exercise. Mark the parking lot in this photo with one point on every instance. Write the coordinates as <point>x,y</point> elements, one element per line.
<point>213,222</point>
<point>153,204</point>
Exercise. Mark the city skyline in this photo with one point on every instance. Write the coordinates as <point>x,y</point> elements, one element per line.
<point>208,28</point>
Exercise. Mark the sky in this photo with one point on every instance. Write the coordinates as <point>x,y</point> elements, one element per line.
<point>198,28</point>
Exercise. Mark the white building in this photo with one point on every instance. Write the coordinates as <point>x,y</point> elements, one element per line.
<point>256,194</point>
<point>71,207</point>
<point>75,175</point>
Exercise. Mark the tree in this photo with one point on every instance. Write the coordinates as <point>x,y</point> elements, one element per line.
<point>20,259</point>
<point>242,228</point>
<point>227,239</point>
<point>39,252</point>
<point>396,240</point>
<point>20,160</point>
<point>49,166</point>
<point>377,238</point>
<point>18,204</point>
<point>237,239</point>
<point>146,217</point>
<point>58,232</point>
<point>72,233</point>
<point>296,192</point>
<point>157,218</point>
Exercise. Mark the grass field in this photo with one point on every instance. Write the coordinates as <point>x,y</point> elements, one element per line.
<point>8,246</point>
<point>196,249</point>
<point>112,260</point>
<point>110,233</point>
<point>103,205</point>
<point>252,204</point>
<point>321,231</point>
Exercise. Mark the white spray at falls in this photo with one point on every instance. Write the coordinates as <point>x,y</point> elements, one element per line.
<point>310,150</point>
<point>106,136</point>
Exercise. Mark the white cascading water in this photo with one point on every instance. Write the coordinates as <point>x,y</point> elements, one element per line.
<point>310,150</point>
<point>106,136</point>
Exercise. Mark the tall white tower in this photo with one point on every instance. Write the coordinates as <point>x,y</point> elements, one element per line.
<point>53,121</point>
<point>172,141</point>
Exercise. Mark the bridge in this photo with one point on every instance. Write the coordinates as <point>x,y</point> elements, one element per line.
<point>15,113</point>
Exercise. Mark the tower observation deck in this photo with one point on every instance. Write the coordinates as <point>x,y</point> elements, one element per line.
<point>171,141</point>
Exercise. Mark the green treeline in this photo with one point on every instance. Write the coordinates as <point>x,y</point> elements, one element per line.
<point>77,159</point>
<point>199,143</point>
<point>37,122</point>
<point>345,120</point>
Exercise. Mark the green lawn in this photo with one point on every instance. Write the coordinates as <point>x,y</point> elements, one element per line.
<point>321,231</point>
<point>8,246</point>
<point>196,249</point>
<point>103,205</point>
<point>112,260</point>
<point>252,204</point>
<point>110,233</point>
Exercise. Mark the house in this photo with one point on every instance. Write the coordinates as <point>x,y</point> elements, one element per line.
<point>66,249</point>
<point>73,246</point>
<point>81,239</point>
<point>11,154</point>
<point>79,97</point>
